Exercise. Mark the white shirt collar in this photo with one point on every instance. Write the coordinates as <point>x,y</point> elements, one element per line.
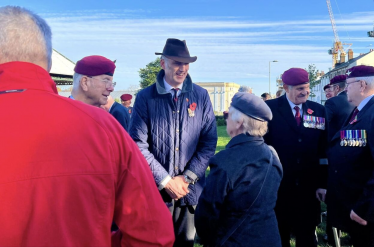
<point>364,102</point>
<point>292,105</point>
<point>169,88</point>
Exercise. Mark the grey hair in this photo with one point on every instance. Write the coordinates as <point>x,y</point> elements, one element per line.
<point>76,78</point>
<point>341,85</point>
<point>244,89</point>
<point>164,58</point>
<point>368,79</point>
<point>24,36</point>
<point>251,126</point>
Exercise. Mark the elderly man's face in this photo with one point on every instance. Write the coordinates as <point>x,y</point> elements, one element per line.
<point>175,72</point>
<point>98,89</point>
<point>354,90</point>
<point>297,94</point>
<point>126,103</point>
<point>329,93</point>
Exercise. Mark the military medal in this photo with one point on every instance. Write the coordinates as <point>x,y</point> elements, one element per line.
<point>359,138</point>
<point>305,118</point>
<point>342,138</point>
<point>364,137</point>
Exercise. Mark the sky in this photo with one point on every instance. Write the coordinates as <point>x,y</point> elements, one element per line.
<point>234,40</point>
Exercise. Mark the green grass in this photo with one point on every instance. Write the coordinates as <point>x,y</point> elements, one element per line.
<point>223,139</point>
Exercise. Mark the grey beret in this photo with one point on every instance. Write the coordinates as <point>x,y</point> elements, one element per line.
<point>252,106</point>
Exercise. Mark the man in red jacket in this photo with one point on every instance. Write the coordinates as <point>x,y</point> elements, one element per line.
<point>68,169</point>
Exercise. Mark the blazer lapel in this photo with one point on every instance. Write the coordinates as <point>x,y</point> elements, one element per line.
<point>366,107</point>
<point>286,112</point>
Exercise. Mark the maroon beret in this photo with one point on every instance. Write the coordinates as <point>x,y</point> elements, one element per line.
<point>360,71</point>
<point>95,65</point>
<point>126,97</point>
<point>338,79</point>
<point>326,87</point>
<point>295,76</point>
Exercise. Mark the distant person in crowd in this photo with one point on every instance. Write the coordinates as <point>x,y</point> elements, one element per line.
<point>265,96</point>
<point>279,93</point>
<point>93,80</point>
<point>350,194</point>
<point>126,102</point>
<point>236,207</point>
<point>329,92</point>
<point>337,108</point>
<point>174,126</point>
<point>245,89</point>
<point>77,169</point>
<point>118,111</point>
<point>297,134</point>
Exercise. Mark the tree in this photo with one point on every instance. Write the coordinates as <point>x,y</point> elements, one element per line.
<point>149,73</point>
<point>314,77</point>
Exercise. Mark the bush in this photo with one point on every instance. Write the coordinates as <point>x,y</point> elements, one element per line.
<point>220,121</point>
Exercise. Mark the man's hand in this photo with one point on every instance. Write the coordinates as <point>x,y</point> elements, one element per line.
<point>177,187</point>
<point>358,219</point>
<point>321,194</point>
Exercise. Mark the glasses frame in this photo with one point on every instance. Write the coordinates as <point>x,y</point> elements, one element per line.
<point>107,83</point>
<point>349,83</point>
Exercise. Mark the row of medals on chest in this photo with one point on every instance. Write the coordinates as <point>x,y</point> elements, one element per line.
<point>353,138</point>
<point>314,122</point>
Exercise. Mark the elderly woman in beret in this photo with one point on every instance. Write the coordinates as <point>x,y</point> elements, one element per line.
<point>236,207</point>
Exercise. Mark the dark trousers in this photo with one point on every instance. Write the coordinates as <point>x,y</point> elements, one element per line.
<point>362,236</point>
<point>184,225</point>
<point>305,234</point>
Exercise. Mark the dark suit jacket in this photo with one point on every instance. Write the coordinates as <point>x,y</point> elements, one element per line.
<point>244,176</point>
<point>337,110</point>
<point>300,150</point>
<point>351,173</point>
<point>120,113</point>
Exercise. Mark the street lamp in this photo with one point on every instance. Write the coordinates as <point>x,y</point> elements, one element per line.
<point>275,61</point>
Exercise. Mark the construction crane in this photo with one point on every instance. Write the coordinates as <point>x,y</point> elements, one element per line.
<point>371,33</point>
<point>338,45</point>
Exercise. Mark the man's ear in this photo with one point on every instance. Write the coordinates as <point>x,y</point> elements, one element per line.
<point>162,63</point>
<point>285,87</point>
<point>84,83</point>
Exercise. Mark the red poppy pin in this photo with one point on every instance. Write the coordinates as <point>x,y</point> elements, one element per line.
<point>191,110</point>
<point>310,111</point>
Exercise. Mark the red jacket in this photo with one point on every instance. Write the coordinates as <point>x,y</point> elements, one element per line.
<point>67,170</point>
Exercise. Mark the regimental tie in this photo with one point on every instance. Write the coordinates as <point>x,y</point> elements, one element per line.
<point>297,115</point>
<point>355,112</point>
<point>175,93</point>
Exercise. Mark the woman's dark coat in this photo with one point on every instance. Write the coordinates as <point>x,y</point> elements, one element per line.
<point>236,179</point>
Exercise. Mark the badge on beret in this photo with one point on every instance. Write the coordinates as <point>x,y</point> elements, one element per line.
<point>349,72</point>
<point>191,109</point>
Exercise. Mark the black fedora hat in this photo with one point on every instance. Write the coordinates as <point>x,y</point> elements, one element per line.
<point>177,50</point>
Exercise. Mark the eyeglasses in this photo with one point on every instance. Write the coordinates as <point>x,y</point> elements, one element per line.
<point>349,83</point>
<point>107,82</point>
<point>225,115</point>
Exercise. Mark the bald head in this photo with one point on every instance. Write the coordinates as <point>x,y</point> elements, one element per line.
<point>24,36</point>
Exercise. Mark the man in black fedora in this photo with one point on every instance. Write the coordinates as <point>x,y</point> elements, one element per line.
<point>174,126</point>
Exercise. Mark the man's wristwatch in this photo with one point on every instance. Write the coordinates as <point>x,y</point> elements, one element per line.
<point>188,180</point>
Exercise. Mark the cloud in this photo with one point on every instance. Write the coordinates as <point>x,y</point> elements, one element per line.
<point>232,49</point>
